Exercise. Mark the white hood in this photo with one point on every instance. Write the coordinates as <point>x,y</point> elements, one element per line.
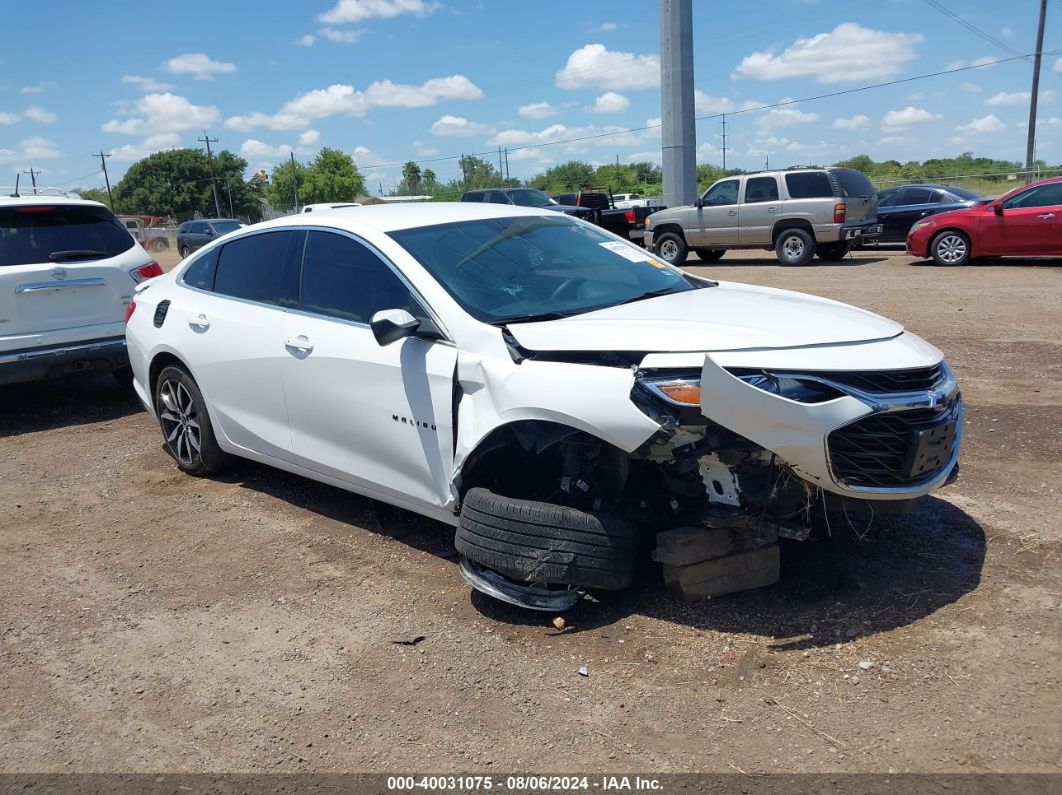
<point>729,317</point>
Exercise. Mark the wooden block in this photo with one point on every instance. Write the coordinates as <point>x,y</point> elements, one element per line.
<point>714,578</point>
<point>686,545</point>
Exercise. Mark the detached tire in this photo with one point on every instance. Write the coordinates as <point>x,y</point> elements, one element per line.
<point>671,248</point>
<point>545,543</point>
<point>794,247</point>
<point>710,254</point>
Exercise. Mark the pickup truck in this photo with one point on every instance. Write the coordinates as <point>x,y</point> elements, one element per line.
<point>628,223</point>
<point>626,201</point>
<point>151,237</point>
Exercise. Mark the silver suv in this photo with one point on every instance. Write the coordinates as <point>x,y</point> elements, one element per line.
<point>799,212</point>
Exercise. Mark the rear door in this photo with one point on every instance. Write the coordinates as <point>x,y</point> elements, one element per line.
<point>759,209</point>
<point>376,416</point>
<point>861,202</point>
<point>718,217</point>
<point>231,332</point>
<point>64,274</point>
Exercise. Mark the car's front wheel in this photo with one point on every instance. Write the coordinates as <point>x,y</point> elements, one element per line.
<point>186,430</point>
<point>950,248</point>
<point>794,247</point>
<point>671,248</point>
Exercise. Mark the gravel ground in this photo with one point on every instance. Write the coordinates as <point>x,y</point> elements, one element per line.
<point>153,621</point>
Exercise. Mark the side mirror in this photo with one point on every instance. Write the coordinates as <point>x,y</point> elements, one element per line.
<point>391,325</point>
<point>698,203</point>
<point>997,209</point>
<point>208,232</point>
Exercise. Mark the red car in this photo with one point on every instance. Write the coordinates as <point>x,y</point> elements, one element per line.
<point>1027,222</point>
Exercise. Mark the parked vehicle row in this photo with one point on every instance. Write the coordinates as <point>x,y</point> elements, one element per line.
<point>193,235</point>
<point>550,391</point>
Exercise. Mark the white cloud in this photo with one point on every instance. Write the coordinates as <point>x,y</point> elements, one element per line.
<point>150,145</point>
<point>458,127</point>
<point>253,149</point>
<point>40,114</point>
<point>610,102</point>
<point>849,53</point>
<point>198,64</point>
<point>163,113</point>
<point>985,124</point>
<point>358,10</point>
<point>309,138</point>
<point>307,40</point>
<point>984,60</point>
<point>705,104</point>
<point>538,110</point>
<point>37,88</point>
<point>148,84</point>
<point>1007,31</point>
<point>1004,98</point>
<point>777,118</point>
<point>610,136</point>
<point>971,88</point>
<point>1058,65</point>
<point>896,119</point>
<point>35,148</point>
<point>337,36</point>
<point>345,100</point>
<point>605,27</point>
<point>595,66</point>
<point>894,139</point>
<point>8,118</point>
<point>857,122</point>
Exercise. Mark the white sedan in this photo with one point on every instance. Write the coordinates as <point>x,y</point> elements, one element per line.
<point>548,388</point>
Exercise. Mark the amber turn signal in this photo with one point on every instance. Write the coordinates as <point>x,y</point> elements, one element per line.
<point>682,393</point>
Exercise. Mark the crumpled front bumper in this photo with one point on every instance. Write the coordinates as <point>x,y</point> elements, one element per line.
<point>799,433</point>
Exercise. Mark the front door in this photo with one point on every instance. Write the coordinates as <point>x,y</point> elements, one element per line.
<point>718,216</point>
<point>231,327</point>
<point>378,417</point>
<point>1031,223</point>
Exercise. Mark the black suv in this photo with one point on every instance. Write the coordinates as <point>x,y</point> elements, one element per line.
<point>193,235</point>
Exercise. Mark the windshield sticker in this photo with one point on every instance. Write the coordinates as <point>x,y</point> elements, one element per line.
<point>631,253</point>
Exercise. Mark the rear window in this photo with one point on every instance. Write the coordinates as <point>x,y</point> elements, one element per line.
<point>259,268</point>
<point>962,193</point>
<point>809,185</point>
<point>35,234</point>
<point>224,227</point>
<point>853,183</point>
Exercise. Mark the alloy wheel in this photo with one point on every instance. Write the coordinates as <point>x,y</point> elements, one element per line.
<point>951,249</point>
<point>669,250</point>
<point>793,247</point>
<point>180,421</point>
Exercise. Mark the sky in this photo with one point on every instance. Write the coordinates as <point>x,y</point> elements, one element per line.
<point>395,80</point>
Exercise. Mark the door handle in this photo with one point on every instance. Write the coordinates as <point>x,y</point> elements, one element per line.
<point>772,209</point>
<point>1046,216</point>
<point>199,323</point>
<point>732,212</point>
<point>299,343</point>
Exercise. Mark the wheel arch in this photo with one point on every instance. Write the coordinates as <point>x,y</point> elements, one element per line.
<point>791,223</point>
<point>159,362</point>
<point>670,227</point>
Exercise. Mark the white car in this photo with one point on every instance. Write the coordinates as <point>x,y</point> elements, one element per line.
<point>67,272</point>
<point>548,388</point>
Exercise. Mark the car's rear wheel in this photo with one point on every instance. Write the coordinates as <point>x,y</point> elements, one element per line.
<point>539,542</point>
<point>710,254</point>
<point>186,430</point>
<point>671,248</point>
<point>159,245</point>
<point>831,252</point>
<point>794,247</point>
<point>950,248</point>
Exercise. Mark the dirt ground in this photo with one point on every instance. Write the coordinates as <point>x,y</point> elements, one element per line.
<point>153,621</point>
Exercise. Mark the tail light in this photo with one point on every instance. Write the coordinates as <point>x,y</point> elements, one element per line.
<point>129,309</point>
<point>578,200</point>
<point>630,216</point>
<point>840,212</point>
<point>144,272</point>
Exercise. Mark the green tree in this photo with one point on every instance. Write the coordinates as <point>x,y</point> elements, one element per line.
<point>411,178</point>
<point>478,173</point>
<point>287,181</point>
<point>565,177</point>
<point>94,194</point>
<point>431,182</point>
<point>332,177</point>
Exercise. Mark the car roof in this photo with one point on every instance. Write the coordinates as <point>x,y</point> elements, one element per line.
<point>392,217</point>
<point>12,201</point>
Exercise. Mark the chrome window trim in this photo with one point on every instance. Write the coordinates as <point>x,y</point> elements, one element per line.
<point>414,292</point>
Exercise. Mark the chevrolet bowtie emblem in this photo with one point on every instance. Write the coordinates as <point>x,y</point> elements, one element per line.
<point>59,273</point>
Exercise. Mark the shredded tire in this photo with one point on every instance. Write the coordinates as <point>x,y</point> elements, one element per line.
<point>545,543</point>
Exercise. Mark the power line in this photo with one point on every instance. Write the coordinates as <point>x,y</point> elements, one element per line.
<point>972,28</point>
<point>753,109</point>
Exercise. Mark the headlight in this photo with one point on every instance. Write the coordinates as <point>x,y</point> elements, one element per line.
<point>920,225</point>
<point>648,221</point>
<point>791,388</point>
<point>683,391</point>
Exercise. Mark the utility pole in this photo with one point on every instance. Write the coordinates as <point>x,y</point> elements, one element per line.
<point>678,130</point>
<point>1030,144</point>
<point>500,172</point>
<point>723,122</point>
<point>506,164</point>
<point>33,177</point>
<point>103,164</point>
<point>295,182</point>
<point>206,139</point>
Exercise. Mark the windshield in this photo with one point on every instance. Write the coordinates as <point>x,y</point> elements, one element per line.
<point>224,227</point>
<point>530,198</point>
<point>528,268</point>
<point>34,234</point>
<point>962,193</point>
